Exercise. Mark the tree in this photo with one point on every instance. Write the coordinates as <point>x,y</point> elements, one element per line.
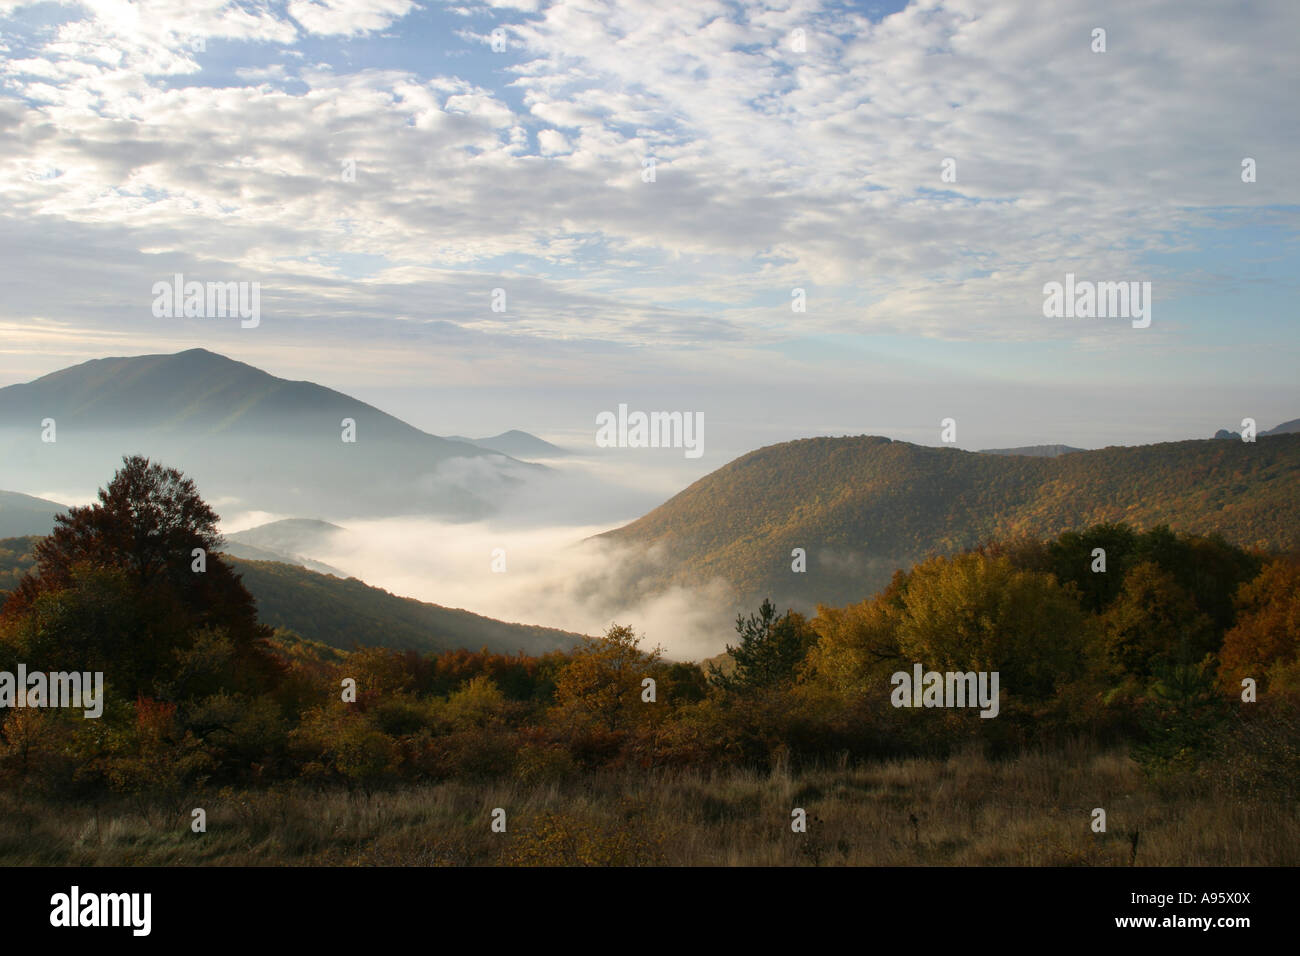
<point>148,521</point>
<point>97,622</point>
<point>857,646</point>
<point>602,682</point>
<point>1208,568</point>
<point>1071,559</point>
<point>129,561</point>
<point>973,612</point>
<point>1179,717</point>
<point>1154,623</point>
<point>770,651</point>
<point>1268,626</point>
<point>476,705</point>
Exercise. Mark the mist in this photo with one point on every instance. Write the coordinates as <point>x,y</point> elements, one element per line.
<point>537,561</point>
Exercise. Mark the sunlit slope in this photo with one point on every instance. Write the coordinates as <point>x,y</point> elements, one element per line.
<point>864,506</point>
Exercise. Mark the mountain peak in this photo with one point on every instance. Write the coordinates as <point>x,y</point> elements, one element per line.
<point>205,354</point>
<point>243,432</point>
<point>516,444</point>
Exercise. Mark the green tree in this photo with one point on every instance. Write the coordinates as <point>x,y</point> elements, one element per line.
<point>771,649</point>
<point>1180,717</point>
<point>1070,558</point>
<point>1154,623</point>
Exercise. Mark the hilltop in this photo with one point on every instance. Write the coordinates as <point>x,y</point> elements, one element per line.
<point>864,506</point>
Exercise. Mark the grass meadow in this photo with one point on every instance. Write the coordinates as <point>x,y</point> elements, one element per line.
<point>1035,809</point>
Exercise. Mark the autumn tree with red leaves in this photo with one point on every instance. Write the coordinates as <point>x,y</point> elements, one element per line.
<point>125,586</point>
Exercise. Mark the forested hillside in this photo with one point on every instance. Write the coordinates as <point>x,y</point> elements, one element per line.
<point>863,507</point>
<point>347,613</point>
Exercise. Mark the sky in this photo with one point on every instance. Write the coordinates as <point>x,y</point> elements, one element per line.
<point>920,171</point>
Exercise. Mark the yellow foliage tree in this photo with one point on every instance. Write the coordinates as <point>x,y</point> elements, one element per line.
<point>602,683</point>
<point>974,612</point>
<point>1268,626</point>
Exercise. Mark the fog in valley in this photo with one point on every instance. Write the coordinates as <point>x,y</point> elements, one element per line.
<point>554,573</point>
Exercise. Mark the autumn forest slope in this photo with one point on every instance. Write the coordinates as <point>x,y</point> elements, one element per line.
<point>347,613</point>
<point>862,507</point>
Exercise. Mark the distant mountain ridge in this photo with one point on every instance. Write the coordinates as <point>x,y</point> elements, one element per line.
<point>1032,451</point>
<point>274,444</point>
<point>862,507</point>
<point>23,514</point>
<point>1286,428</point>
<point>195,391</point>
<point>251,552</point>
<point>289,535</point>
<point>288,541</point>
<point>516,444</point>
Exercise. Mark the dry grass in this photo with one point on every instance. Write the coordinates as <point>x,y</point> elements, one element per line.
<point>1034,810</point>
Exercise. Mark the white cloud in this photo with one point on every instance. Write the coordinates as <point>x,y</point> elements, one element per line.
<point>348,17</point>
<point>774,168</point>
<point>272,71</point>
<point>552,143</point>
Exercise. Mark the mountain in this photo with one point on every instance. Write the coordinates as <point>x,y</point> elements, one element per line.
<point>862,507</point>
<point>245,436</point>
<point>23,514</point>
<point>251,552</point>
<point>1032,451</point>
<point>343,612</point>
<point>1286,428</point>
<point>347,612</point>
<point>290,535</point>
<point>287,542</point>
<point>516,444</point>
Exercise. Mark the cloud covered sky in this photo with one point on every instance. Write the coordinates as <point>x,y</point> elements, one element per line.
<point>210,138</point>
